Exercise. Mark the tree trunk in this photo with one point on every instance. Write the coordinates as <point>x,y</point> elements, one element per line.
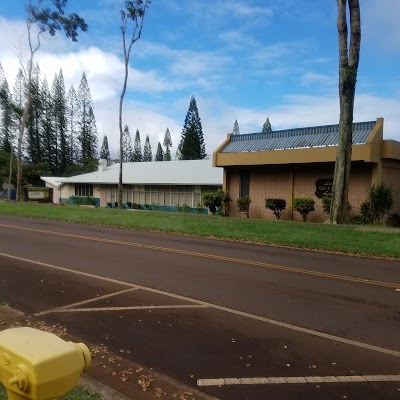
<point>121,101</point>
<point>348,68</point>
<point>22,129</point>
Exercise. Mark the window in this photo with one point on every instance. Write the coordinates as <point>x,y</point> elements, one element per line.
<point>244,184</point>
<point>83,189</point>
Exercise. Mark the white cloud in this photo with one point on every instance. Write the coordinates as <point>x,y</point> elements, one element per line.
<point>313,78</point>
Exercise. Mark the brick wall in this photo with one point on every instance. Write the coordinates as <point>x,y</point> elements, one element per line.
<point>267,182</point>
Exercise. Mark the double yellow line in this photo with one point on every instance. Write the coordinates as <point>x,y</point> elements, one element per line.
<point>391,285</point>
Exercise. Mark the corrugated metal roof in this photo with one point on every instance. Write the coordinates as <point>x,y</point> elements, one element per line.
<point>184,172</point>
<point>317,136</point>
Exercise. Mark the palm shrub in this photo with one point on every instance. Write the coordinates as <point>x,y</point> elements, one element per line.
<point>276,206</point>
<point>377,205</point>
<point>303,205</point>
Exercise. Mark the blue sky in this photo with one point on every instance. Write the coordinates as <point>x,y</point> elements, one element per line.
<point>244,60</point>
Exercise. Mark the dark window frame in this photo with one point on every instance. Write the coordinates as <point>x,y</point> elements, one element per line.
<point>83,189</point>
<point>244,185</point>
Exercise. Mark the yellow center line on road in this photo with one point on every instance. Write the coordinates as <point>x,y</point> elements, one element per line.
<point>391,285</point>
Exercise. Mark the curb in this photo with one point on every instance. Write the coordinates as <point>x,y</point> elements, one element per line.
<point>105,392</point>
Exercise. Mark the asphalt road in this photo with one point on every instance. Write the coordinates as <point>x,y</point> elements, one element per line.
<point>214,315</point>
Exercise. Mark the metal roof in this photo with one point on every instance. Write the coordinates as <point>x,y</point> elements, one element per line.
<point>317,136</point>
<point>53,180</point>
<point>183,172</point>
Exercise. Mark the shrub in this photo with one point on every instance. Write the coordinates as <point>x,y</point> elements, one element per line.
<point>108,204</point>
<point>276,206</point>
<point>304,206</point>
<point>83,201</point>
<point>377,205</point>
<point>129,204</point>
<point>326,204</point>
<point>214,200</point>
<point>244,205</point>
<point>394,220</point>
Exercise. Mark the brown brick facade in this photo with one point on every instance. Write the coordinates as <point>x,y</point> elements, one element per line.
<point>300,181</point>
<point>288,173</point>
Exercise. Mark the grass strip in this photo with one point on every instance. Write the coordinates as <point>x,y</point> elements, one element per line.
<point>79,393</point>
<point>348,239</point>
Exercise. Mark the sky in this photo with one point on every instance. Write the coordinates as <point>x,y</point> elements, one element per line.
<point>241,59</point>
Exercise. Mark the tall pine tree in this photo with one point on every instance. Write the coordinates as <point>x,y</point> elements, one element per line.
<point>87,132</point>
<point>48,133</point>
<point>159,153</point>
<point>127,149</point>
<point>267,126</point>
<point>18,98</point>
<point>147,155</point>
<point>34,149</point>
<point>235,129</point>
<point>105,151</point>
<point>192,145</point>
<point>137,148</point>
<point>60,123</point>
<point>72,125</point>
<point>167,144</point>
<point>6,110</point>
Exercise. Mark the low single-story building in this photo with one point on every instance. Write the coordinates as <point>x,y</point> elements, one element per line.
<point>162,183</point>
<point>300,163</point>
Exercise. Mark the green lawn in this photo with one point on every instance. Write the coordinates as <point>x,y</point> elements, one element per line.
<point>351,239</point>
<point>79,393</point>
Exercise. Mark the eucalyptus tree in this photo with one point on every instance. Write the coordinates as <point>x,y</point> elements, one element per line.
<point>132,19</point>
<point>43,17</point>
<point>349,56</point>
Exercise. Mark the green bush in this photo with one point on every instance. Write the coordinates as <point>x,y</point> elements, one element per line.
<point>83,201</point>
<point>276,206</point>
<point>393,220</point>
<point>377,205</point>
<point>244,204</point>
<point>129,204</point>
<point>326,204</point>
<point>303,205</point>
<point>214,200</point>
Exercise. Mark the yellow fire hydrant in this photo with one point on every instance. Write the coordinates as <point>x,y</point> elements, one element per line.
<point>38,365</point>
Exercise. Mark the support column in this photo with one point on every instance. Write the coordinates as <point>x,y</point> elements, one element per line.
<point>290,193</point>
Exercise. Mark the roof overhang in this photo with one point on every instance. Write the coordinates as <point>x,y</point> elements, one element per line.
<point>372,151</point>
